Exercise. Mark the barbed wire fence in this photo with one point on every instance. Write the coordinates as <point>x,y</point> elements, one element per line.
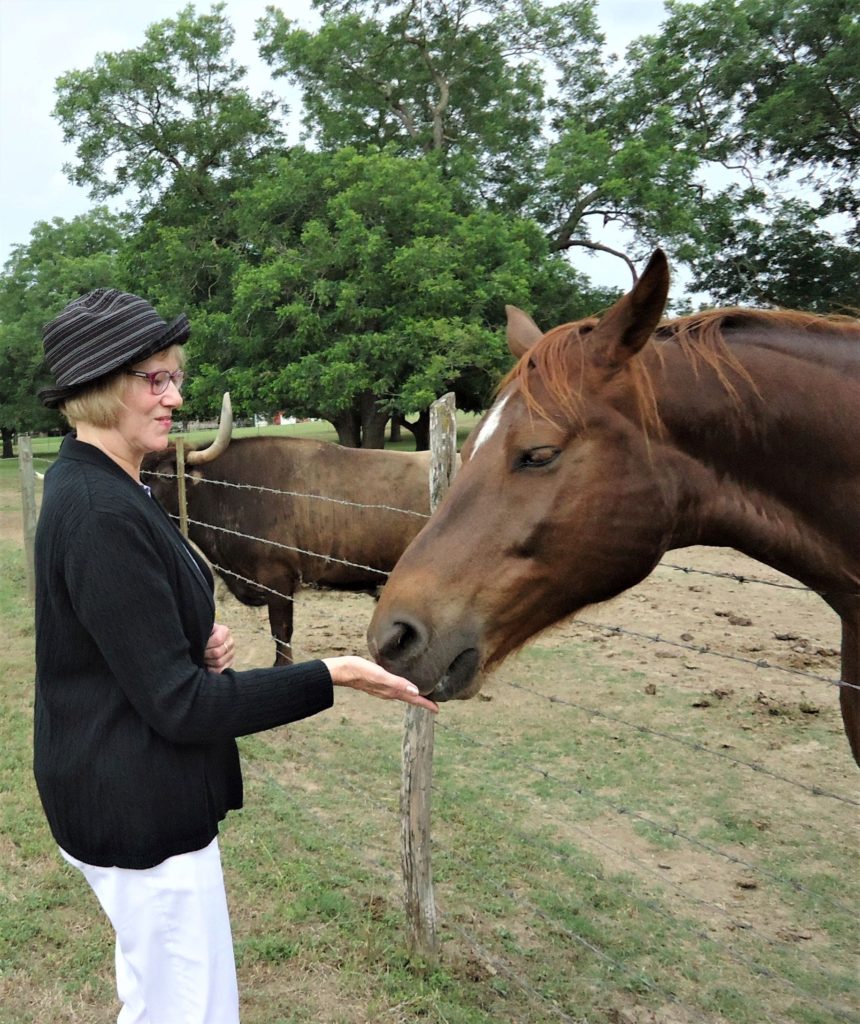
<point>571,787</point>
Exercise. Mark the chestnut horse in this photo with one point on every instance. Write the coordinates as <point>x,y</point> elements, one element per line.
<point>614,440</point>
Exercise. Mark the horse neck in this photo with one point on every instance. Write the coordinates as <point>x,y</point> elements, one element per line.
<point>757,398</point>
<point>764,455</point>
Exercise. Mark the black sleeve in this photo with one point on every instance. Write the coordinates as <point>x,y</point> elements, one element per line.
<point>122,596</point>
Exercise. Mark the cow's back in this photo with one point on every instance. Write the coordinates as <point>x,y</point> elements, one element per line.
<point>334,516</point>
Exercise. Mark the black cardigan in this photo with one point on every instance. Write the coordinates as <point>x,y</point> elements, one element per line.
<point>134,748</point>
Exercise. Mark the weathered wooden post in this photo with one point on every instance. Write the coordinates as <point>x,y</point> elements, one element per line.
<point>28,506</point>
<point>180,484</point>
<point>417,751</point>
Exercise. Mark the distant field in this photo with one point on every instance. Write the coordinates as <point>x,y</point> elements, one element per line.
<point>319,430</point>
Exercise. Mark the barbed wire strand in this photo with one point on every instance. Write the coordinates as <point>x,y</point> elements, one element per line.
<point>497,966</point>
<point>698,901</point>
<point>747,962</point>
<point>373,798</point>
<point>289,547</point>
<point>291,494</point>
<point>671,830</point>
<point>695,745</point>
<point>706,649</point>
<point>601,954</point>
<point>624,856</point>
<point>739,578</point>
<point>736,577</point>
<point>260,586</point>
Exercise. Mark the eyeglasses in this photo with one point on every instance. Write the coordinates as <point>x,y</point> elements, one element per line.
<point>159,379</point>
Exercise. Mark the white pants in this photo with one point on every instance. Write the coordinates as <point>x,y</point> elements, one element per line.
<point>174,949</point>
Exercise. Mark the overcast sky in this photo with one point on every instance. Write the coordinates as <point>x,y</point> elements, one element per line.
<point>42,39</point>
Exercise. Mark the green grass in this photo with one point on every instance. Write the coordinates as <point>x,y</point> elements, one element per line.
<point>556,901</point>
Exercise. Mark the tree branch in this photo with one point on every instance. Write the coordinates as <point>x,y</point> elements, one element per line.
<point>599,247</point>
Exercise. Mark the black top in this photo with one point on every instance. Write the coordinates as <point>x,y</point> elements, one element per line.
<point>135,753</point>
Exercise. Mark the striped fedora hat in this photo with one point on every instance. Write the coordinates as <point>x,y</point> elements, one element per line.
<point>100,332</point>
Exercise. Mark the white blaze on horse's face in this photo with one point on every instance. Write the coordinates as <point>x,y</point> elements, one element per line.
<point>490,426</point>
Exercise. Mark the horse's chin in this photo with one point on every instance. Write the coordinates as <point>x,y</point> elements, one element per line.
<point>462,680</point>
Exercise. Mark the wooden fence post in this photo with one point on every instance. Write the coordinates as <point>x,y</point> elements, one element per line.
<point>417,751</point>
<point>180,485</point>
<point>28,506</point>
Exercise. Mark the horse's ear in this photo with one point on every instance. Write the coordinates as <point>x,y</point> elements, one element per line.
<point>523,332</point>
<point>627,326</point>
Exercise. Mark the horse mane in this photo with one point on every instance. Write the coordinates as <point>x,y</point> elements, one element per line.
<point>551,358</point>
<point>707,328</point>
<point>701,337</point>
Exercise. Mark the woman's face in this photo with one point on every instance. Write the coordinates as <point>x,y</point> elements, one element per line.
<point>145,420</point>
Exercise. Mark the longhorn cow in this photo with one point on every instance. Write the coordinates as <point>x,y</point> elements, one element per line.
<point>271,513</point>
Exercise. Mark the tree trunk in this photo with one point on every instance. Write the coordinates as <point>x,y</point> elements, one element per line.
<point>420,430</point>
<point>348,427</point>
<point>7,435</point>
<point>372,422</point>
<point>395,431</point>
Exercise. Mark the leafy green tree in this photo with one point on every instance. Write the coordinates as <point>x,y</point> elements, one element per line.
<point>183,257</point>
<point>758,80</point>
<point>459,81</point>
<point>770,93</point>
<point>172,109</point>
<point>373,289</point>
<point>786,259</point>
<point>611,165</point>
<point>514,99</point>
<point>171,127</point>
<point>62,260</point>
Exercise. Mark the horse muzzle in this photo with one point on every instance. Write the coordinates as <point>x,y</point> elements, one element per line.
<point>443,665</point>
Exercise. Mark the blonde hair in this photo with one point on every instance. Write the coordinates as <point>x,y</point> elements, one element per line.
<point>100,403</point>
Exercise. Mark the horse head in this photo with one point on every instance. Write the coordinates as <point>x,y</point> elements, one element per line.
<point>558,502</point>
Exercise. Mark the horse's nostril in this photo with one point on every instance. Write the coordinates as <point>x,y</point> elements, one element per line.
<point>402,637</point>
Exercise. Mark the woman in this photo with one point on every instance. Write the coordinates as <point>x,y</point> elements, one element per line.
<point>137,708</point>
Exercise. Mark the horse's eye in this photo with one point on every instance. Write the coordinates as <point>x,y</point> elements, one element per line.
<point>535,458</point>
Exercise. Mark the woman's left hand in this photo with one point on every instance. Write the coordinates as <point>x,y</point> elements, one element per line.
<point>361,674</point>
<point>220,650</point>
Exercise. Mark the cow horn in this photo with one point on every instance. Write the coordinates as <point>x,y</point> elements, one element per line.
<point>222,438</point>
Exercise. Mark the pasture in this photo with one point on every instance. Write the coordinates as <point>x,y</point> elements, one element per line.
<point>627,830</point>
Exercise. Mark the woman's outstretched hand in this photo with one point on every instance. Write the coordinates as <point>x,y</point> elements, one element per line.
<point>362,674</point>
